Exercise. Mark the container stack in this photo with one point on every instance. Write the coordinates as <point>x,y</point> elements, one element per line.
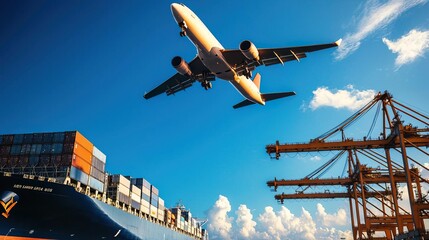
<point>119,188</point>
<point>82,159</point>
<point>135,195</point>
<point>161,209</point>
<point>187,216</point>
<point>177,215</point>
<point>88,162</point>
<point>56,154</point>
<point>64,155</point>
<point>168,217</point>
<point>35,153</point>
<point>193,227</point>
<point>97,176</point>
<point>154,197</point>
<point>144,185</point>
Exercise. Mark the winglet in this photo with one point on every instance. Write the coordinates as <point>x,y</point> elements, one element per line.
<point>338,42</point>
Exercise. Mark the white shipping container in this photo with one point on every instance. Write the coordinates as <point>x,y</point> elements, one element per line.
<point>154,190</point>
<point>145,203</point>
<point>144,209</point>
<point>153,211</point>
<point>136,190</point>
<point>146,191</point>
<point>161,215</point>
<point>122,189</point>
<point>135,197</point>
<point>160,202</point>
<point>162,208</point>
<point>98,154</point>
<point>117,178</point>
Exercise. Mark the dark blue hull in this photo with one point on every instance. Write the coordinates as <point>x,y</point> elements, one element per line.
<point>46,210</point>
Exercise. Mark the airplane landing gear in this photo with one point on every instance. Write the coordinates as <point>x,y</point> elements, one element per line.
<point>206,84</point>
<point>247,73</point>
<point>183,26</point>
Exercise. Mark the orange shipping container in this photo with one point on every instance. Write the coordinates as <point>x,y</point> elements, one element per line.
<point>80,151</point>
<point>81,164</point>
<point>85,143</point>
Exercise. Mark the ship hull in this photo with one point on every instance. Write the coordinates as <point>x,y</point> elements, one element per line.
<point>47,210</point>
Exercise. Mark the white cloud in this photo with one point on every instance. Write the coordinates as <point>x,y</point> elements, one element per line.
<point>349,98</point>
<point>272,225</point>
<point>333,234</point>
<point>315,158</point>
<point>375,16</point>
<point>409,47</point>
<point>220,224</point>
<point>329,220</point>
<point>245,223</point>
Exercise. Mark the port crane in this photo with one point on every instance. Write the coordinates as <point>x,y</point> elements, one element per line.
<point>389,201</point>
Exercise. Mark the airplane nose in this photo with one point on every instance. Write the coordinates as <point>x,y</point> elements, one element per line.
<point>174,9</point>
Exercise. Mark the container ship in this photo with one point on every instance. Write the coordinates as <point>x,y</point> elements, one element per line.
<point>54,186</point>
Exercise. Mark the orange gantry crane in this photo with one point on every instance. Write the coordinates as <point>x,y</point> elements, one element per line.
<point>379,207</point>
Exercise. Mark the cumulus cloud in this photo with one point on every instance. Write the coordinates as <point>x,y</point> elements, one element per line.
<point>329,220</point>
<point>375,16</point>
<point>333,234</point>
<point>409,47</point>
<point>274,225</point>
<point>245,223</point>
<point>349,98</point>
<point>220,224</point>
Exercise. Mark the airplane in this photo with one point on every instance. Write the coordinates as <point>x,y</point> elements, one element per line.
<point>234,65</point>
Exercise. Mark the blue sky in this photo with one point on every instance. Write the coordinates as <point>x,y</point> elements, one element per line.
<point>85,65</point>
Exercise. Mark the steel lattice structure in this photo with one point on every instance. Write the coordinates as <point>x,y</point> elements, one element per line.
<point>374,192</point>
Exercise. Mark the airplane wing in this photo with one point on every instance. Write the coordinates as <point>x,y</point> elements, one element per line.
<point>270,56</point>
<point>180,82</point>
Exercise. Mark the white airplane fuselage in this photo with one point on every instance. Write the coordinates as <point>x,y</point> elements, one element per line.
<point>209,52</point>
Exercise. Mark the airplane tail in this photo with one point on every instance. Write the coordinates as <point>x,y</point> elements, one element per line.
<point>257,81</point>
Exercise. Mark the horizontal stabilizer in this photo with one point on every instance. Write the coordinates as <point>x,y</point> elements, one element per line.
<point>266,97</point>
<point>243,104</point>
<point>273,96</point>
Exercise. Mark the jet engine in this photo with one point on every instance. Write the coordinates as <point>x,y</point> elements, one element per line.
<point>249,50</point>
<point>181,66</point>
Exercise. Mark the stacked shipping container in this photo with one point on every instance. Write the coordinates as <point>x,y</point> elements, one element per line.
<point>161,208</point>
<point>154,197</point>
<point>58,155</point>
<point>135,194</point>
<point>183,219</point>
<point>88,163</point>
<point>35,153</point>
<point>98,177</point>
<point>70,154</point>
<point>119,188</point>
<point>144,186</point>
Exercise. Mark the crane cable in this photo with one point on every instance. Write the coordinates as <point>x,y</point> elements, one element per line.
<point>374,121</point>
